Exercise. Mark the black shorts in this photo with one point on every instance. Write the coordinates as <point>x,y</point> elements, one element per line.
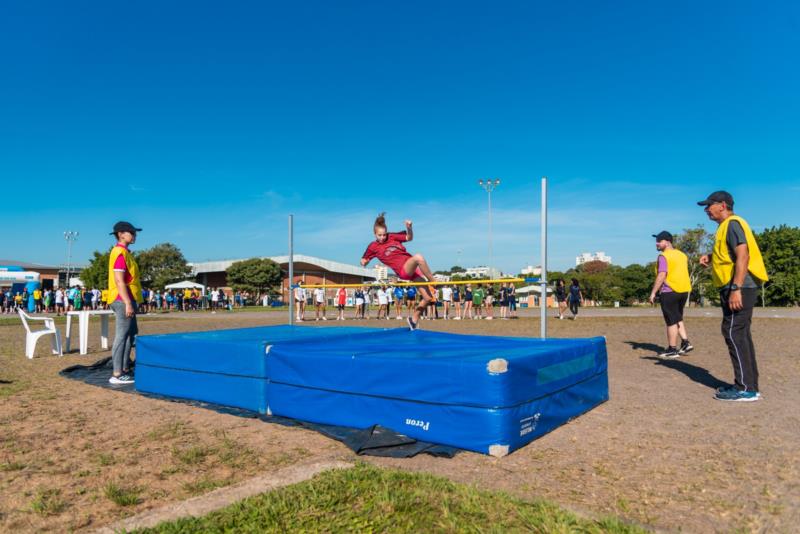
<point>672,307</point>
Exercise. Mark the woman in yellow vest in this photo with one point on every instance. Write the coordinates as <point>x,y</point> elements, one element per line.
<point>737,269</point>
<point>674,285</point>
<point>124,297</point>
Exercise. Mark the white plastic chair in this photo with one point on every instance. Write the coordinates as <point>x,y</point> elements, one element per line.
<point>33,336</point>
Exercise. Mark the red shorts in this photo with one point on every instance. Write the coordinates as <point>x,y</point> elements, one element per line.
<point>403,276</point>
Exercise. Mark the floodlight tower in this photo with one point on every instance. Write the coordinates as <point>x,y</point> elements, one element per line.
<point>71,237</point>
<point>489,186</point>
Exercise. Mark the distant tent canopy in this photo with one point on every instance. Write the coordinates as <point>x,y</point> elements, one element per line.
<point>537,289</point>
<point>186,284</point>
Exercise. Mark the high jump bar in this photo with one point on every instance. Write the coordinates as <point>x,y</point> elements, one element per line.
<point>408,284</point>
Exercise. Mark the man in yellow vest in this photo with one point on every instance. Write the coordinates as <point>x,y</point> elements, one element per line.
<point>674,286</point>
<point>737,269</point>
<point>124,297</point>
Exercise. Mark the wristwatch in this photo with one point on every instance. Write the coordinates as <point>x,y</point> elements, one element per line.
<point>734,287</point>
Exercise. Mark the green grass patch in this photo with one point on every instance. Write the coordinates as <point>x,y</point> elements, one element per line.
<point>369,499</point>
<point>204,485</point>
<point>192,455</point>
<point>106,458</point>
<point>172,430</point>
<point>48,502</point>
<point>9,387</point>
<point>122,496</point>
<point>12,466</point>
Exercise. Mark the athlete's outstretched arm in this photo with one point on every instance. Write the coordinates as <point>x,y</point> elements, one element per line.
<point>409,230</point>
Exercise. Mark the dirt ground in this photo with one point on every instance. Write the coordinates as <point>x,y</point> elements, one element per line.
<point>662,452</point>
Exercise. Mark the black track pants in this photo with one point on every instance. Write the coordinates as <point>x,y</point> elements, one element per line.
<point>736,331</point>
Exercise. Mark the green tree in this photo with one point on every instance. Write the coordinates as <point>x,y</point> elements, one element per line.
<point>161,265</point>
<point>637,280</point>
<point>96,273</point>
<point>255,275</point>
<point>694,242</point>
<point>780,247</point>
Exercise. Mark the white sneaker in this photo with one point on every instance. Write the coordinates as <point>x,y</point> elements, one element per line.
<point>489,318</point>
<point>121,380</point>
<point>324,318</point>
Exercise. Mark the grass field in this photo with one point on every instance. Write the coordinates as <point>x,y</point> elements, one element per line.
<point>370,499</point>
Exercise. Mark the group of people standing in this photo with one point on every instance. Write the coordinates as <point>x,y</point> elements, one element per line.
<point>457,302</point>
<point>57,300</point>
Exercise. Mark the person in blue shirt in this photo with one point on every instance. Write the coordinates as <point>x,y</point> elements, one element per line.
<point>411,298</point>
<point>399,296</point>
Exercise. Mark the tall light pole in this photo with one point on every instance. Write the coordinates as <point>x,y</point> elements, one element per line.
<point>70,237</point>
<point>489,186</point>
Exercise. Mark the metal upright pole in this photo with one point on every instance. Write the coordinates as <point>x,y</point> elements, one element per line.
<point>491,251</point>
<point>543,296</point>
<point>291,270</point>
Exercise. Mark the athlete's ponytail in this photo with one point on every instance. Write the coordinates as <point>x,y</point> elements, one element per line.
<point>380,221</point>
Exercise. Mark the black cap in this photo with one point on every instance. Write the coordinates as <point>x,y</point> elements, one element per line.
<point>663,235</point>
<point>717,196</point>
<point>124,226</point>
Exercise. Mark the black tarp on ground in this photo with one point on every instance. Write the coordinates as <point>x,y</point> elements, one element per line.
<point>372,441</point>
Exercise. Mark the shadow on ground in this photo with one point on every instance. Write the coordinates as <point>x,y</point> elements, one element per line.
<point>695,373</point>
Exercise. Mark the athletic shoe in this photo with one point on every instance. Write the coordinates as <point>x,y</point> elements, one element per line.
<point>411,324</point>
<point>121,380</point>
<point>728,389</point>
<point>670,353</point>
<point>456,318</point>
<point>686,347</point>
<point>735,395</point>
<point>489,318</point>
<point>324,318</point>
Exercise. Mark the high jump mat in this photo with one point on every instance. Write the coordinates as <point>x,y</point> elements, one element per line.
<point>487,394</point>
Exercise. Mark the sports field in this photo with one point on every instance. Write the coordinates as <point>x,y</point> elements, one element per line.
<point>661,453</point>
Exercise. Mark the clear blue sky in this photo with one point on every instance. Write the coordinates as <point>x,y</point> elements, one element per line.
<point>207,123</point>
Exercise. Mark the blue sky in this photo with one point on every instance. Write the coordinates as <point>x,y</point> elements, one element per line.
<point>208,123</point>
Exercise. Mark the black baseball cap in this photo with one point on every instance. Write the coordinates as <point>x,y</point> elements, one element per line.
<point>717,196</point>
<point>125,226</point>
<point>661,236</point>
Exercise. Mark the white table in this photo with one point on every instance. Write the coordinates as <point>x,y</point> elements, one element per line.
<point>83,328</point>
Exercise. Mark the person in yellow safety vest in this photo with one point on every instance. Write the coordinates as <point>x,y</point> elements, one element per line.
<point>673,284</point>
<point>737,269</point>
<point>124,297</point>
<point>104,298</point>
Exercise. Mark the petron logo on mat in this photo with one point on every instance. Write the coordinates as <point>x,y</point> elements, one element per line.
<point>422,424</point>
<point>528,425</point>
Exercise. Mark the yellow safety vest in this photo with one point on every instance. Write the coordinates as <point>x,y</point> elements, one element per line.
<point>135,285</point>
<point>722,265</point>
<point>677,270</point>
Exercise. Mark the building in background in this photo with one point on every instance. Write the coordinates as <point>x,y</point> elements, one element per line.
<point>381,272</point>
<point>586,257</point>
<point>483,273</point>
<point>530,270</point>
<point>307,269</point>
<point>50,275</point>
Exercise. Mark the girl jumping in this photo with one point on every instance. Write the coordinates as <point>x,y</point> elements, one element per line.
<point>389,249</point>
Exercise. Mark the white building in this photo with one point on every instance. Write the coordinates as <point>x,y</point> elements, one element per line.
<point>381,272</point>
<point>530,270</point>
<point>586,257</point>
<point>483,273</point>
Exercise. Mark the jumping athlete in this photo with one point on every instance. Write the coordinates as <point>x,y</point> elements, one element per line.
<point>389,249</point>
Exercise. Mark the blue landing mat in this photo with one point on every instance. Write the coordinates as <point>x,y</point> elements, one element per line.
<point>482,393</point>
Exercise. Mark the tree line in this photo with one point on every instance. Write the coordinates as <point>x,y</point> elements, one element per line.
<point>780,246</point>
